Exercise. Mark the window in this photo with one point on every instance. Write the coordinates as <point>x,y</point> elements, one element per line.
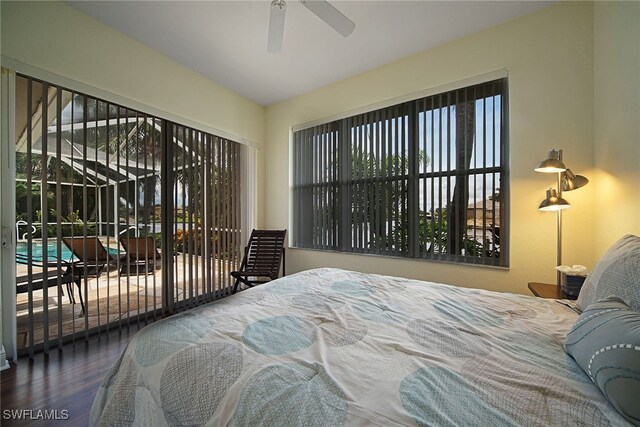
<point>422,179</point>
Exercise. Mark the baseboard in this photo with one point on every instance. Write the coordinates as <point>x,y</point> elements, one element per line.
<point>3,359</point>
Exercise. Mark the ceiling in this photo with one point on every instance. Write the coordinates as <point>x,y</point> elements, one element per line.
<point>227,40</point>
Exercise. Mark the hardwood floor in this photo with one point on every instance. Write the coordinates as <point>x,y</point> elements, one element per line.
<point>63,380</point>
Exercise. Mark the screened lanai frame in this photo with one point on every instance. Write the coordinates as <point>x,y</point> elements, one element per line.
<point>97,176</point>
<point>99,170</point>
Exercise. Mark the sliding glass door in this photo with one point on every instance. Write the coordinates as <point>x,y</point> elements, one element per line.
<point>121,217</point>
<point>205,203</point>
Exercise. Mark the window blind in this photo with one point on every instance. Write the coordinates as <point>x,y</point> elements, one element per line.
<point>425,179</point>
<point>100,173</point>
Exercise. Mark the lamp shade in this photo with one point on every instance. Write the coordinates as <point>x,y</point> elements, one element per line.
<point>553,202</point>
<point>552,164</point>
<point>570,181</point>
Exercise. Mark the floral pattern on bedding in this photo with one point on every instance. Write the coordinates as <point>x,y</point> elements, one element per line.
<point>332,347</point>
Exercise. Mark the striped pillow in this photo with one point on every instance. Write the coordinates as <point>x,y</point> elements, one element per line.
<point>605,341</point>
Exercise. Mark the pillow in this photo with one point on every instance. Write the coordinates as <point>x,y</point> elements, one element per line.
<point>616,274</point>
<point>605,341</point>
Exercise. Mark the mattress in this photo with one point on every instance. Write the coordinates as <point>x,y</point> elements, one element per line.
<point>330,347</point>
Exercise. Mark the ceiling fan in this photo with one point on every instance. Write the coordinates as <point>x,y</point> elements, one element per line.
<point>321,8</point>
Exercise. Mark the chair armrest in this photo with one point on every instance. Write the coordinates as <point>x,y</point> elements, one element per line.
<point>251,273</point>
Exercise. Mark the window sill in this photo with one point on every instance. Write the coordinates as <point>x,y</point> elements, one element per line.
<point>428,260</point>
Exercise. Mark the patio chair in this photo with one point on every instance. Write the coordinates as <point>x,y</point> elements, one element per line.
<point>262,258</point>
<point>142,255</point>
<point>36,281</point>
<point>92,255</point>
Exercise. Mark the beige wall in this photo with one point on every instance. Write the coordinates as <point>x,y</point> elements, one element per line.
<point>550,59</point>
<point>57,38</point>
<point>617,120</point>
<point>549,56</point>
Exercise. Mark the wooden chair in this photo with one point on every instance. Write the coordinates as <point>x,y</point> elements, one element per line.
<point>262,258</point>
<point>142,255</point>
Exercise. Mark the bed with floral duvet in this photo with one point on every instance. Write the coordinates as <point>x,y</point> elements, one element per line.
<point>330,347</point>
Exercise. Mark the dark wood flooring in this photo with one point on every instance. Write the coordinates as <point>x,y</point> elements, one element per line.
<point>63,380</point>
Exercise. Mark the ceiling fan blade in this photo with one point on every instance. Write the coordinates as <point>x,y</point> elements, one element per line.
<point>276,26</point>
<point>332,16</point>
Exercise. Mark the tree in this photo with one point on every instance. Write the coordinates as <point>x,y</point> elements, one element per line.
<point>381,200</point>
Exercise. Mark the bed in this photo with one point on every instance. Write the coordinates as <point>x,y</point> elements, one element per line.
<point>334,347</point>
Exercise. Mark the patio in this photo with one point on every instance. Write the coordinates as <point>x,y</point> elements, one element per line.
<point>111,299</point>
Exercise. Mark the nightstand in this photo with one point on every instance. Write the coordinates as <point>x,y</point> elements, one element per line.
<point>548,290</point>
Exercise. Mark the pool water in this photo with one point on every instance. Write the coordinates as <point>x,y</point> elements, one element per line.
<point>37,251</point>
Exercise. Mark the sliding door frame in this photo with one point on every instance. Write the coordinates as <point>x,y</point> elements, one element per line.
<point>8,333</point>
<point>7,264</point>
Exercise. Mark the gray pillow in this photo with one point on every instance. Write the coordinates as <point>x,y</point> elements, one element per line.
<point>605,341</point>
<point>616,274</point>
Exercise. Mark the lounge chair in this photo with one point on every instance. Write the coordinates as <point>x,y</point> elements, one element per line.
<point>92,255</point>
<point>142,255</point>
<point>63,275</point>
<point>262,258</point>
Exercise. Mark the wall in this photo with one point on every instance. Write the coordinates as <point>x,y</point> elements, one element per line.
<point>58,38</point>
<point>554,81</point>
<point>549,56</point>
<point>617,120</point>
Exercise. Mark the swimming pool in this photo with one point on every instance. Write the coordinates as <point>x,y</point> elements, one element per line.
<point>37,251</point>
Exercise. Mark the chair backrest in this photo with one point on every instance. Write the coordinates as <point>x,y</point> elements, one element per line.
<point>264,252</point>
<point>90,249</point>
<point>143,248</point>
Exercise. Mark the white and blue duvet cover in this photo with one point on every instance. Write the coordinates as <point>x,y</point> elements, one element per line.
<point>330,347</point>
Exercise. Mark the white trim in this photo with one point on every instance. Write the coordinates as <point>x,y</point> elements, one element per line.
<point>480,78</point>
<point>36,122</point>
<point>3,359</point>
<point>248,184</point>
<point>68,83</point>
<point>291,213</point>
<point>8,329</point>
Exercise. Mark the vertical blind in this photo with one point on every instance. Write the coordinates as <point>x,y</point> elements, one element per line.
<point>94,171</point>
<point>422,179</point>
<point>207,226</point>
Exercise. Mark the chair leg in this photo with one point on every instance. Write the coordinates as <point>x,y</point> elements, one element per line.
<point>247,283</point>
<point>79,284</point>
<point>72,298</point>
<point>235,287</point>
<point>284,266</point>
